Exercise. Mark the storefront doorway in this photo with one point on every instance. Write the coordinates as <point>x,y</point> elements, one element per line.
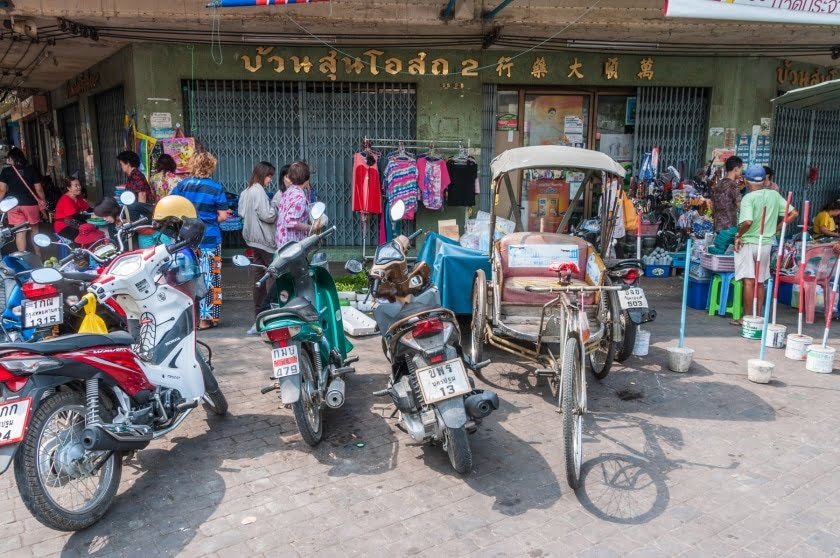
<point>110,116</point>
<point>624,123</point>
<point>243,122</point>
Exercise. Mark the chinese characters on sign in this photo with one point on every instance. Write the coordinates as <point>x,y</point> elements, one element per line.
<point>574,69</point>
<point>645,69</point>
<point>611,68</point>
<point>539,70</point>
<point>375,62</point>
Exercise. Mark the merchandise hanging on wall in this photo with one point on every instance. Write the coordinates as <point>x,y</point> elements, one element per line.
<point>143,146</point>
<point>180,149</point>
<point>245,3</point>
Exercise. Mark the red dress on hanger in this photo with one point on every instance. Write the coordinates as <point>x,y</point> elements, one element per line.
<point>367,191</point>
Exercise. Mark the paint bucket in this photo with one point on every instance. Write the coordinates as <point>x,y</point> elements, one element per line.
<point>776,336</point>
<point>751,327</point>
<point>797,346</point>
<point>759,371</point>
<point>820,359</point>
<point>679,358</point>
<point>642,343</point>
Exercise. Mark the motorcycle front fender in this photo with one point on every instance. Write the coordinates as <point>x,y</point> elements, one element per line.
<point>451,413</point>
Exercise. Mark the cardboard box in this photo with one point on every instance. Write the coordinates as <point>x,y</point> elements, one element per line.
<point>449,229</point>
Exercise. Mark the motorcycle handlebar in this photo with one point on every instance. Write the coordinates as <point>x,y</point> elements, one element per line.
<point>137,223</point>
<point>21,227</point>
<point>79,305</point>
<point>416,233</point>
<point>263,279</point>
<point>307,244</point>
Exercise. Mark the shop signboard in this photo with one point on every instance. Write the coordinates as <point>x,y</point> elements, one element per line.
<point>742,146</point>
<point>814,12</point>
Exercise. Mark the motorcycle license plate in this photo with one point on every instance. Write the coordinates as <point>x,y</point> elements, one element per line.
<point>42,313</point>
<point>443,381</point>
<point>632,299</point>
<point>285,361</point>
<point>13,418</point>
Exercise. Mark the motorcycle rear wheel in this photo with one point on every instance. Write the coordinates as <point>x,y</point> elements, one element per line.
<point>458,449</point>
<point>47,462</point>
<point>625,348</point>
<point>308,412</point>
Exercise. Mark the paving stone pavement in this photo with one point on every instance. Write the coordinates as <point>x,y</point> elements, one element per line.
<point>699,464</point>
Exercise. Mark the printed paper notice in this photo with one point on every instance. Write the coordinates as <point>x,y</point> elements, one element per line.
<point>541,255</point>
<point>572,125</point>
<point>160,120</point>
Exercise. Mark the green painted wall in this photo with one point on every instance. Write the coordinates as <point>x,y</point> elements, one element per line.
<point>448,106</point>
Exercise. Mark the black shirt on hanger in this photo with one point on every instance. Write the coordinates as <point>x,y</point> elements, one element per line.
<point>462,176</point>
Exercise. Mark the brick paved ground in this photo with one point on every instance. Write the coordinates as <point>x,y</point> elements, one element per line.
<point>703,464</point>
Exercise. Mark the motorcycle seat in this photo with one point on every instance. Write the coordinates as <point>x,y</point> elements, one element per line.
<point>296,308</point>
<point>75,342</point>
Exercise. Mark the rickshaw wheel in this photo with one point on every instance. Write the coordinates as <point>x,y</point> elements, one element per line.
<point>479,316</point>
<point>572,405</point>
<point>601,359</point>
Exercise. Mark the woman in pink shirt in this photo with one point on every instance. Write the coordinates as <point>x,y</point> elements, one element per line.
<point>292,219</point>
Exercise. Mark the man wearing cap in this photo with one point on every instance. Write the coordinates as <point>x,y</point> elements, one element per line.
<point>757,199</point>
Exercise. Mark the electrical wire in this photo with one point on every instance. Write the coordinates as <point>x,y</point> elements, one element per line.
<point>216,38</point>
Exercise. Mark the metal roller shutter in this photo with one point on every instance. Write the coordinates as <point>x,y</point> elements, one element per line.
<point>676,120</point>
<point>243,122</point>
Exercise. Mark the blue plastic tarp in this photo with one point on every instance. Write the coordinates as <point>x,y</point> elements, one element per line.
<point>453,269</point>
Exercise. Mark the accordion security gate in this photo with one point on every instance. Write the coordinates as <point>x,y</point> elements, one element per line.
<point>675,119</point>
<point>110,117</point>
<point>802,139</point>
<point>71,133</point>
<point>243,122</point>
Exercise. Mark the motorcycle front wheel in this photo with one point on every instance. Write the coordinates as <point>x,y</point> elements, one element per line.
<point>308,411</point>
<point>64,486</point>
<point>458,448</point>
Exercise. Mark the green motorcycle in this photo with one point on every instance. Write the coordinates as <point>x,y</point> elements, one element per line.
<point>305,331</point>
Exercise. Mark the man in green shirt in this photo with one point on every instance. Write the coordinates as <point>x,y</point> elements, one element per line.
<point>759,199</point>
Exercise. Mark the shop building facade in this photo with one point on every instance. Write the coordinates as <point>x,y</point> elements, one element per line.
<point>258,102</point>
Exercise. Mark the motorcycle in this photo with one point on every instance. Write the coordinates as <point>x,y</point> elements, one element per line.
<point>305,332</point>
<point>436,399</point>
<point>72,407</point>
<point>628,272</point>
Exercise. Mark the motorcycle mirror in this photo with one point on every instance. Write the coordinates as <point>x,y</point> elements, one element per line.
<point>354,266</point>
<point>397,210</point>
<point>317,209</point>
<point>8,204</point>
<point>41,240</point>
<point>128,198</point>
<point>45,275</point>
<point>241,261</point>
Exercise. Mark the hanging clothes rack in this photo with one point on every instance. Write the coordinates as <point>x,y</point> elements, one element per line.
<point>396,143</point>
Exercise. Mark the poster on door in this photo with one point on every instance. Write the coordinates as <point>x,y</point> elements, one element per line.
<point>556,120</point>
<point>548,200</point>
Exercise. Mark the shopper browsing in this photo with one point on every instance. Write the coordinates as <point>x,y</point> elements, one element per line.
<point>258,216</point>
<point>749,228</point>
<point>726,195</point>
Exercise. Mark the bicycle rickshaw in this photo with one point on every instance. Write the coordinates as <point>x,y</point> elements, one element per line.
<point>550,299</point>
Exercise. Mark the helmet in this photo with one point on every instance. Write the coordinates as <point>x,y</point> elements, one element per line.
<point>170,213</point>
<point>174,206</point>
<point>192,231</point>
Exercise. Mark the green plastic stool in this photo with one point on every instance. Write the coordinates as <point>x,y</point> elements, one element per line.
<point>736,306</point>
<point>714,294</point>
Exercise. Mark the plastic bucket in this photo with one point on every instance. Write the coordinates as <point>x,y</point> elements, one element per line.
<point>642,343</point>
<point>775,336</point>
<point>797,346</point>
<point>679,358</point>
<point>820,359</point>
<point>751,327</point>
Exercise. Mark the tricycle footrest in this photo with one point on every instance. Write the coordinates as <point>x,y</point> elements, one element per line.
<point>548,372</point>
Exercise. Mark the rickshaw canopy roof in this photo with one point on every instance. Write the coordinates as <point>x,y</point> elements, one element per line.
<point>553,156</point>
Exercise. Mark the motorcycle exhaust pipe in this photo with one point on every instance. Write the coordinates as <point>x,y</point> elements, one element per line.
<point>335,393</point>
<point>481,404</point>
<point>101,438</point>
